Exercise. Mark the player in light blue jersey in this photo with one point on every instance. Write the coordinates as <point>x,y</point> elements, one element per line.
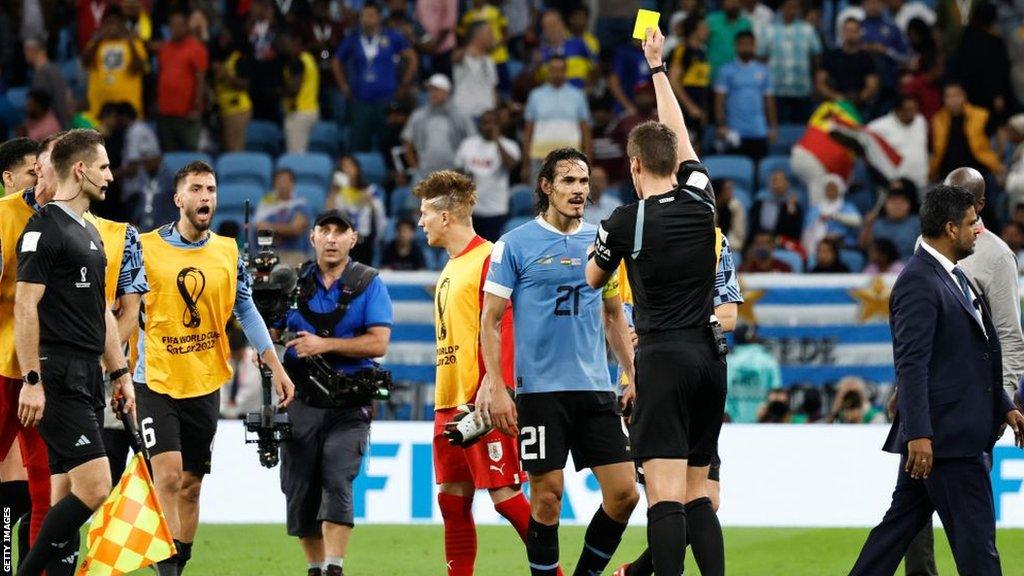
<point>565,400</point>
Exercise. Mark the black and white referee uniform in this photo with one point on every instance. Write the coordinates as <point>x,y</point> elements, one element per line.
<point>668,243</point>
<point>64,252</point>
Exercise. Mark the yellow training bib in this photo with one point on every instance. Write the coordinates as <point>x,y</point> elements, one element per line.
<point>14,214</point>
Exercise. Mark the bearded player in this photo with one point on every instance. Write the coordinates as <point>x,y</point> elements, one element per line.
<point>197,281</point>
<point>490,462</point>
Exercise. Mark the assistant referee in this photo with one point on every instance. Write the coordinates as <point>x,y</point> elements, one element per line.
<point>62,327</point>
<point>668,242</point>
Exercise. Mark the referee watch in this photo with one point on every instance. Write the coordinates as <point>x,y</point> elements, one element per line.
<point>659,68</point>
<point>31,378</point>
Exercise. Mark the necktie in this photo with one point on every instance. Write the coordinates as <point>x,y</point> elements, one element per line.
<point>961,279</point>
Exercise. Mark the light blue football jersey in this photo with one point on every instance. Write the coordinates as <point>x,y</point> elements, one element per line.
<point>559,330</point>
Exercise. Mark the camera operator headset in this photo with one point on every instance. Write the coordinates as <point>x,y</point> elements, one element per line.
<point>342,320</point>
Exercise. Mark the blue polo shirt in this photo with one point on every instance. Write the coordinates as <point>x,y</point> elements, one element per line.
<point>370,308</point>
<point>745,86</point>
<point>631,67</point>
<point>373,77</point>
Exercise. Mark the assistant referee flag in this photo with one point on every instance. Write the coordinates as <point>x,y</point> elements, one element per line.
<point>130,531</point>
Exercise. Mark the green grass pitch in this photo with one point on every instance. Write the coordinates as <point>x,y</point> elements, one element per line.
<point>265,550</point>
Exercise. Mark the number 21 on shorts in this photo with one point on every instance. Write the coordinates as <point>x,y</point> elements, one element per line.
<point>531,443</point>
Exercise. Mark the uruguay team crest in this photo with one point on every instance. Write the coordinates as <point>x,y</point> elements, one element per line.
<point>494,451</point>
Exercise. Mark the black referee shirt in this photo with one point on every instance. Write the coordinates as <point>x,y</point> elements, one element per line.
<point>65,253</point>
<point>668,242</point>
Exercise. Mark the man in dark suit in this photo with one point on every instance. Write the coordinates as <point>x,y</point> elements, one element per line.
<point>951,402</point>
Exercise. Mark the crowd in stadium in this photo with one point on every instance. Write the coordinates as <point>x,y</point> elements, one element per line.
<point>823,122</point>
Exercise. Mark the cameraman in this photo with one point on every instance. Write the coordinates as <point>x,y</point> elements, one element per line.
<point>343,315</point>
<point>853,405</point>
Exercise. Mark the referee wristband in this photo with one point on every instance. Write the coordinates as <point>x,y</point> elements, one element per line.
<point>118,373</point>
<point>661,68</point>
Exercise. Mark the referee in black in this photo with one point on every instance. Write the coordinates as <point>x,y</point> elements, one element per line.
<point>62,328</point>
<point>668,242</point>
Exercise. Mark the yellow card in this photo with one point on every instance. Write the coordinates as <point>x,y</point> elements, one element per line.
<point>645,19</point>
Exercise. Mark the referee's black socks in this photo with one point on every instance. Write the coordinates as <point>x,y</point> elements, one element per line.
<point>666,536</point>
<point>705,535</point>
<point>65,559</point>
<point>184,554</point>
<point>599,544</point>
<point>61,524</point>
<point>542,549</point>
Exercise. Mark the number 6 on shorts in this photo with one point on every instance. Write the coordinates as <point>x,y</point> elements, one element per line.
<point>148,434</point>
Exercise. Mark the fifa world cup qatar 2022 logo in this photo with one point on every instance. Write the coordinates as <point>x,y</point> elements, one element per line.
<point>191,283</point>
<point>442,303</point>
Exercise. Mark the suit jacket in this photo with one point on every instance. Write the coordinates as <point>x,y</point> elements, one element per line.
<point>948,371</point>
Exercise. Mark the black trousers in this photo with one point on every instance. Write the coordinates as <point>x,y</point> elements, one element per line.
<point>958,489</point>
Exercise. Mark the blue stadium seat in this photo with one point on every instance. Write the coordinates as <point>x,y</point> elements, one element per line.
<point>312,169</point>
<point>325,139</point>
<point>315,196</point>
<point>174,161</point>
<point>233,196</point>
<point>520,201</point>
<point>245,168</point>
<point>18,96</point>
<point>789,257</point>
<point>741,194</point>
<point>514,223</point>
<point>374,169</point>
<point>770,165</point>
<point>789,134</point>
<point>264,136</point>
<point>854,259</point>
<point>398,203</point>
<point>739,169</point>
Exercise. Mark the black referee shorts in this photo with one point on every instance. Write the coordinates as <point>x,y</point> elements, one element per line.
<point>319,464</point>
<point>680,397</point>
<point>552,424</point>
<point>73,414</point>
<point>186,425</point>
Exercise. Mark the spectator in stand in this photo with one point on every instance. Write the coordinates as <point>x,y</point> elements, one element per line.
<point>556,43</point>
<point>1013,235</point>
<point>40,121</point>
<point>138,19</point>
<point>181,87</point>
<point>557,116</point>
<point>791,47</point>
<point>759,15</point>
<point>883,258</point>
<point>745,103</point>
<point>115,62</point>
<point>89,19</point>
<point>608,151</point>
<point>723,26</point>
<point>780,214</point>
<point>579,27</point>
<point>483,12</point>
<point>320,35</point>
<point>364,205</point>
<point>906,130</point>
<point>601,204</point>
<point>439,19</point>
<point>629,69</point>
<point>521,16</point>
<point>140,141</point>
<point>732,216</point>
<point>959,138</point>
<point>489,158</point>
<point>48,79</point>
<point>752,373</point>
<point>266,67</point>
<point>925,69</point>
<point>849,72</point>
<point>903,12</point>
<point>982,64</point>
<point>614,26</point>
<point>760,257</point>
<point>826,258</point>
<point>476,74</point>
<point>301,94</point>
<point>895,220</point>
<point>831,217</point>
<point>1015,175</point>
<point>287,216</point>
<point>145,182</point>
<point>853,405</point>
<point>366,70</point>
<point>951,17</point>
<point>435,131</point>
<point>690,75</point>
<point>231,73</point>
<point>646,110</point>
<point>886,41</point>
<point>403,253</point>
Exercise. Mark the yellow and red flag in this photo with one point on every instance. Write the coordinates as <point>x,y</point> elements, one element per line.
<point>129,532</point>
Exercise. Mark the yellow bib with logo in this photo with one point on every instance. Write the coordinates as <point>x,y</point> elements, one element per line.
<point>190,300</point>
<point>14,215</point>
<point>457,327</point>
<point>113,236</point>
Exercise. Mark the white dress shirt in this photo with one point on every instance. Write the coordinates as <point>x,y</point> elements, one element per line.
<point>948,267</point>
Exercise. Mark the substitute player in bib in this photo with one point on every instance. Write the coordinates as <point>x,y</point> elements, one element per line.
<point>565,399</point>
<point>491,462</point>
<point>197,280</point>
<point>62,328</point>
